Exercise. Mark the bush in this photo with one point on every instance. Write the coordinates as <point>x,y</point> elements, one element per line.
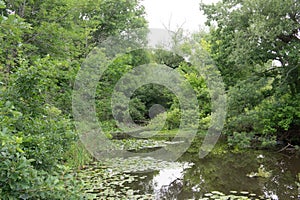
<point>20,180</point>
<point>173,119</point>
<point>30,151</point>
<point>46,140</point>
<point>77,156</point>
<point>259,119</point>
<point>240,140</point>
<point>45,136</point>
<point>278,116</point>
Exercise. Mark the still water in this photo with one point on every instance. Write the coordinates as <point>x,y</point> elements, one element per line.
<point>227,173</point>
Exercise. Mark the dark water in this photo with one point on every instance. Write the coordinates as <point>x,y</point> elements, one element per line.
<point>225,173</point>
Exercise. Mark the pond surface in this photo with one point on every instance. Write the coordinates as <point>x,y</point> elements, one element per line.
<point>263,174</point>
<point>220,175</point>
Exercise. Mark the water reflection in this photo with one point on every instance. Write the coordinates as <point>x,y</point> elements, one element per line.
<point>168,183</point>
<point>225,173</point>
<point>163,182</point>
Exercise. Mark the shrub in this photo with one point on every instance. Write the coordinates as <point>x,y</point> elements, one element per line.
<point>258,118</point>
<point>77,156</point>
<point>45,136</point>
<point>20,180</point>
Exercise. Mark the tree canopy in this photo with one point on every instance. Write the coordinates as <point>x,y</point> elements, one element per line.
<point>255,44</point>
<point>43,45</point>
<point>249,33</point>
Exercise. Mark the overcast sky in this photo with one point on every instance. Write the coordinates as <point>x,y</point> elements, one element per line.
<point>175,13</point>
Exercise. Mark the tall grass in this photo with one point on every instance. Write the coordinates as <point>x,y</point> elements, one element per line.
<point>77,156</point>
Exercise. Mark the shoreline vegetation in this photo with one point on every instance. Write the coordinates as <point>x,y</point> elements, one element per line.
<point>253,45</point>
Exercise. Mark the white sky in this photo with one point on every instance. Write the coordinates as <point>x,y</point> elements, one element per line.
<point>175,13</point>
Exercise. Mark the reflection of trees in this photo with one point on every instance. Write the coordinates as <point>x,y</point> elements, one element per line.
<point>172,190</point>
<point>146,184</point>
<point>227,172</point>
<point>282,182</point>
<point>222,173</point>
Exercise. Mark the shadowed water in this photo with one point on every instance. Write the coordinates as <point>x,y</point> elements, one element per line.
<point>225,173</point>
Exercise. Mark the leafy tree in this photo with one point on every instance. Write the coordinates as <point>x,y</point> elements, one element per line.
<point>109,18</point>
<point>255,45</point>
<point>168,58</point>
<point>56,27</point>
<point>252,32</point>
<point>12,30</point>
<point>42,46</point>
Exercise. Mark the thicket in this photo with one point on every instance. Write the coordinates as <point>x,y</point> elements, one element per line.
<point>254,44</point>
<point>42,46</point>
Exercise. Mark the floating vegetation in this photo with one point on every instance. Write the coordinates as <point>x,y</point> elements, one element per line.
<point>135,144</point>
<point>142,164</point>
<point>261,172</point>
<point>298,182</point>
<point>109,179</point>
<point>149,178</point>
<point>234,195</point>
<point>102,182</point>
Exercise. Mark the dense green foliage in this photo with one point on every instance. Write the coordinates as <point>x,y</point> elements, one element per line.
<point>150,94</point>
<point>42,46</point>
<point>254,44</point>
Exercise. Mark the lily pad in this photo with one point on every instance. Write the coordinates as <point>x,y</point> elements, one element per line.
<point>208,194</point>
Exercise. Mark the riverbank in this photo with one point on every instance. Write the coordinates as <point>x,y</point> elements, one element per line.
<point>224,173</point>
